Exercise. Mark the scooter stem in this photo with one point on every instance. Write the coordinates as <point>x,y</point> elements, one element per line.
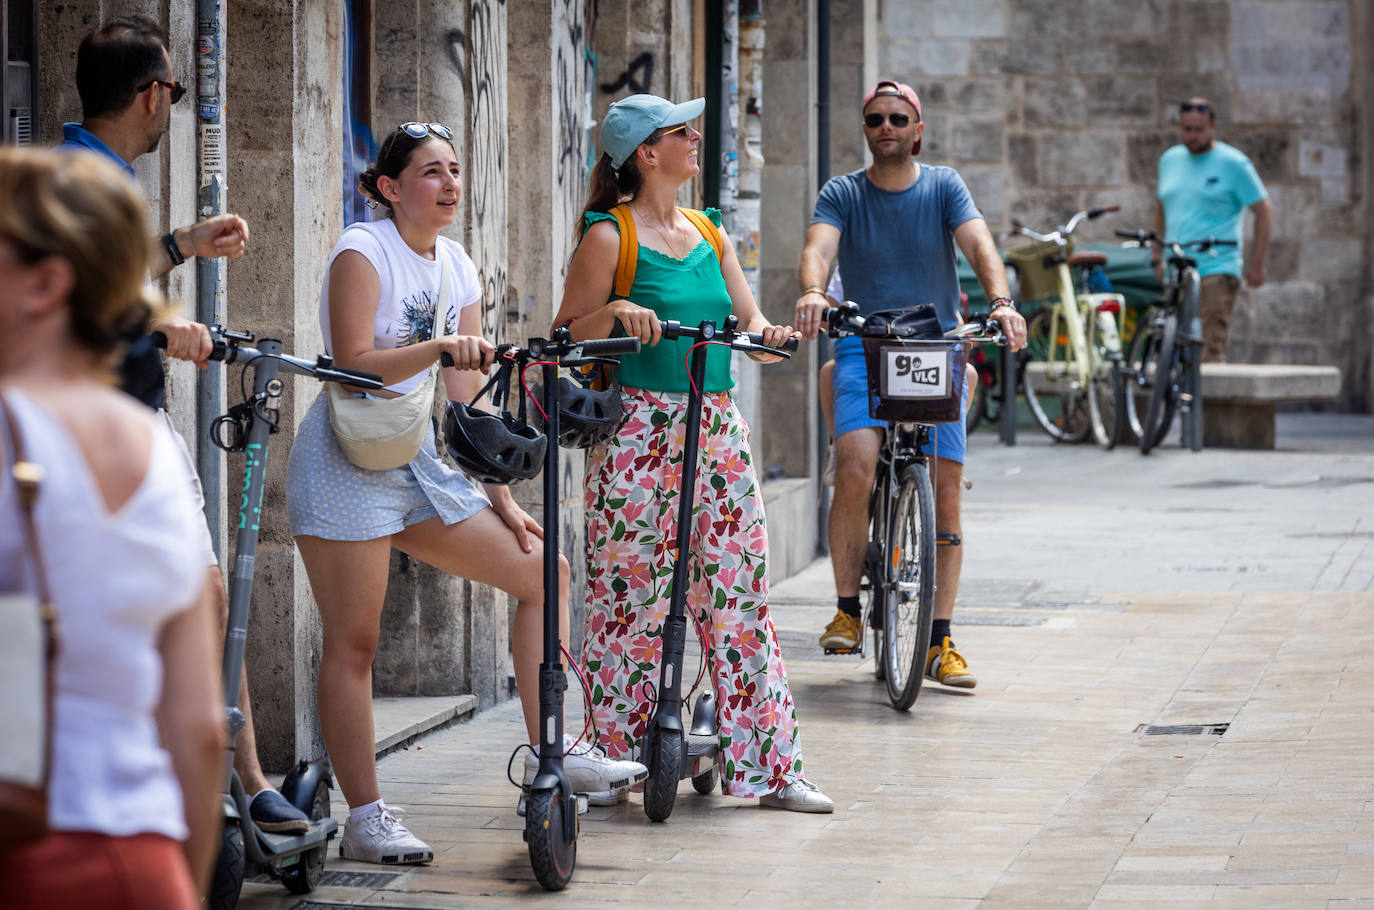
<point>669,713</point>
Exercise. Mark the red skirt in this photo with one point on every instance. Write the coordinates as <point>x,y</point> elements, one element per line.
<point>76,870</point>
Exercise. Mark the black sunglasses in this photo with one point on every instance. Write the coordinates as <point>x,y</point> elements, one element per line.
<point>417,130</point>
<point>875,120</point>
<point>1188,106</point>
<point>176,89</point>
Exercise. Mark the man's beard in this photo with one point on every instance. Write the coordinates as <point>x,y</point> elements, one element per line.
<point>899,153</point>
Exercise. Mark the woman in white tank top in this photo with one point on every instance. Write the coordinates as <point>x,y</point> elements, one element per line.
<point>137,725</point>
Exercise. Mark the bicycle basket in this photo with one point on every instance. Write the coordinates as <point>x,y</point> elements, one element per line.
<point>915,380</point>
<point>1037,280</point>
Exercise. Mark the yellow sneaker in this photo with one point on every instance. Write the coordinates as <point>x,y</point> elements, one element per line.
<point>842,633</point>
<point>948,667</point>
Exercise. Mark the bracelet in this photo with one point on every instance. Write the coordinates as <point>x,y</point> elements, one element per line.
<point>173,251</point>
<point>814,289</point>
<point>1000,302</point>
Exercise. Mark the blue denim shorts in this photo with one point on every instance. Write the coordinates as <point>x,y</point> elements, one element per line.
<point>947,440</point>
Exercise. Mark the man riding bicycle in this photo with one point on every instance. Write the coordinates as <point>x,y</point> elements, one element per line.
<point>894,226</point>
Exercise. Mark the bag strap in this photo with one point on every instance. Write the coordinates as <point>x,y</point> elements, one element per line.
<point>445,292</point>
<point>28,477</point>
<point>629,250</point>
<point>708,229</point>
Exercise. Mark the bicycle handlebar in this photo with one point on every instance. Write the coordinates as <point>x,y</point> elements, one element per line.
<point>844,321</point>
<point>749,342</point>
<point>1176,248</point>
<point>1062,234</point>
<point>233,347</point>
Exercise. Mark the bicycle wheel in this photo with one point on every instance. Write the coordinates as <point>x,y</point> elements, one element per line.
<point>1102,402</point>
<point>1052,393</point>
<point>1139,371</point>
<point>910,554</point>
<point>1164,385</point>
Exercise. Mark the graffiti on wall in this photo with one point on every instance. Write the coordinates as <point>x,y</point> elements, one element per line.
<point>478,55</point>
<point>570,116</point>
<point>638,77</point>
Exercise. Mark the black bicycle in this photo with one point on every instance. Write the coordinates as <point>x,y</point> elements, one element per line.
<point>1164,364</point>
<point>910,380</point>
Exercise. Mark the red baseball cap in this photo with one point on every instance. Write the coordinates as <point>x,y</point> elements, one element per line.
<point>891,88</point>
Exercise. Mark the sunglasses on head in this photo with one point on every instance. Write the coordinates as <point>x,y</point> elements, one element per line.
<point>1201,107</point>
<point>417,130</point>
<point>875,120</point>
<point>176,89</point>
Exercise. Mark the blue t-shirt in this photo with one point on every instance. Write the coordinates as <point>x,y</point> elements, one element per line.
<point>140,372</point>
<point>897,249</point>
<point>1206,196</point>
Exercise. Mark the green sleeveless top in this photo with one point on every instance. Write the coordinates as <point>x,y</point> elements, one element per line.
<point>689,290</point>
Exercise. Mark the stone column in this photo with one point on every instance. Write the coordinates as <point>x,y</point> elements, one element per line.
<point>548,105</point>
<point>283,84</point>
<point>788,195</point>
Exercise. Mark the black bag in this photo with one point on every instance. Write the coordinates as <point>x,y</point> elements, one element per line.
<point>919,321</point>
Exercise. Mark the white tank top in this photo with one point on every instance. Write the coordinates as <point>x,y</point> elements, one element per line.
<point>116,579</point>
<point>409,288</point>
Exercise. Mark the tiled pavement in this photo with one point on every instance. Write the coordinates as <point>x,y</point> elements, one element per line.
<point>1104,592</point>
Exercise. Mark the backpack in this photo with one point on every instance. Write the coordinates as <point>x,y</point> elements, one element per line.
<point>629,244</point>
<point>600,377</point>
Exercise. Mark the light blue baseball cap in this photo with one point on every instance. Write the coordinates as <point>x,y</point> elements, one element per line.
<point>631,120</point>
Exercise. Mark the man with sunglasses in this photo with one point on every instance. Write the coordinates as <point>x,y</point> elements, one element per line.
<point>124,78</point>
<point>895,226</point>
<point>1204,188</point>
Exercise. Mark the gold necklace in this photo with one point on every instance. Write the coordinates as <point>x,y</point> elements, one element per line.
<point>661,236</point>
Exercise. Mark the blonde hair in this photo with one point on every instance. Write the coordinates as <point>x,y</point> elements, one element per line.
<point>82,209</point>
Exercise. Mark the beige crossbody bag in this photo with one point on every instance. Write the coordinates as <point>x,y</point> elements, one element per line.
<point>384,433</point>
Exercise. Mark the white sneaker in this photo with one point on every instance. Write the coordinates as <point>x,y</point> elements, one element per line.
<point>798,796</point>
<point>608,797</point>
<point>588,769</point>
<point>381,838</point>
<point>828,469</point>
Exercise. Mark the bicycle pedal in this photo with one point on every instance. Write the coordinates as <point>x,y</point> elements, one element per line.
<point>842,651</point>
<point>948,540</point>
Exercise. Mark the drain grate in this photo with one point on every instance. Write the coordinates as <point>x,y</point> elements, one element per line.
<point>346,878</point>
<point>1182,729</point>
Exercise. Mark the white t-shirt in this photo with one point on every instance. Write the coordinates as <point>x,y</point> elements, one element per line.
<point>116,579</point>
<point>409,288</point>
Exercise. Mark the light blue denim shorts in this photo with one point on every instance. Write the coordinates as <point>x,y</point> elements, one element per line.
<point>330,497</point>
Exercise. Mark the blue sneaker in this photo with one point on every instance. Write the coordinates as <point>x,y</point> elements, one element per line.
<point>271,812</point>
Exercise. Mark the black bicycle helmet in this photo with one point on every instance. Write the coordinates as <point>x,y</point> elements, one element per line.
<point>494,448</point>
<point>586,416</point>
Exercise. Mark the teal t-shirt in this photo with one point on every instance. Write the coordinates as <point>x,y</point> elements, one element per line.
<point>689,290</point>
<point>1206,196</point>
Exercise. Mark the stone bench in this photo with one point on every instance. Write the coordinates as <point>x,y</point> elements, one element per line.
<point>1238,399</point>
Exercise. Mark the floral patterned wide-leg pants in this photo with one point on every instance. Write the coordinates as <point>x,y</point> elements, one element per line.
<point>633,484</point>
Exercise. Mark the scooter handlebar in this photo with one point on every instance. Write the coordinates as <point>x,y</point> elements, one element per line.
<point>608,347</point>
<point>230,347</point>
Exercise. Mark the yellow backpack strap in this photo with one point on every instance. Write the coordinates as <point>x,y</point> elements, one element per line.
<point>629,250</point>
<point>708,229</point>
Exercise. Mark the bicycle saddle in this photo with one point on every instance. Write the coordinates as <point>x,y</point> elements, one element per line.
<point>1087,258</point>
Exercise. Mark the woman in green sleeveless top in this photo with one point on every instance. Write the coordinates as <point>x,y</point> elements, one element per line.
<point>634,479</point>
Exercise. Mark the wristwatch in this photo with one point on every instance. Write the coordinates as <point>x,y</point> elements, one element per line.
<point>173,251</point>
<point>1001,302</point>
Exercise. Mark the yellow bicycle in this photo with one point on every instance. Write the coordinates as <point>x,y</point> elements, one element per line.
<point>1071,366</point>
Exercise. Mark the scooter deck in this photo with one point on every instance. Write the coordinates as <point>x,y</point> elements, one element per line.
<point>279,845</point>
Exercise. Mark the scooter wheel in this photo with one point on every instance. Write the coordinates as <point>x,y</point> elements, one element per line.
<point>665,769</point>
<point>228,879</point>
<point>303,876</point>
<point>552,854</point>
<point>707,781</point>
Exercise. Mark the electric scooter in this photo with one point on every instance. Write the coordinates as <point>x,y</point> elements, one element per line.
<point>672,752</point>
<point>296,860</point>
<point>548,804</point>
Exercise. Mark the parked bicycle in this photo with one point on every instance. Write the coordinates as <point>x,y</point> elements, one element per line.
<point>1070,369</point>
<point>913,383</point>
<point>1164,365</point>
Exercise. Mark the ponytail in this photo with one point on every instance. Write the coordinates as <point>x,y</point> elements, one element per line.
<point>609,186</point>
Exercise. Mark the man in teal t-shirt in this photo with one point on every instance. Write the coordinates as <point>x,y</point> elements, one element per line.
<point>1205,186</point>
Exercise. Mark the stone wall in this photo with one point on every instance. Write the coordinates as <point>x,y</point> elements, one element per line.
<point>1047,107</point>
